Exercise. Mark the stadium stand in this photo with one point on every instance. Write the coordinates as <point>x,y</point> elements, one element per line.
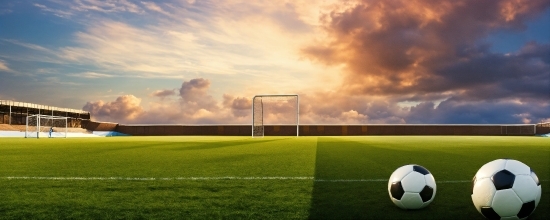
<point>15,113</point>
<point>13,118</point>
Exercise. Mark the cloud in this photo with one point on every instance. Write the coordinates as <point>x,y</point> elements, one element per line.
<point>154,7</point>
<point>340,108</point>
<point>124,109</point>
<point>56,12</point>
<point>194,105</point>
<point>194,96</point>
<point>457,111</point>
<point>425,52</point>
<point>250,43</point>
<point>255,39</point>
<point>405,47</point>
<point>28,45</point>
<point>164,93</point>
<point>241,107</point>
<point>92,75</point>
<point>144,52</point>
<point>192,89</point>
<point>4,66</point>
<point>351,61</point>
<point>6,8</point>
<point>97,6</point>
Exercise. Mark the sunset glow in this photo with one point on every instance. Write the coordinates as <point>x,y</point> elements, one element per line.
<point>351,62</point>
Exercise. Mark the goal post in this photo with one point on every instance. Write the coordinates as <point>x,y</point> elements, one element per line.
<point>283,107</point>
<point>45,126</point>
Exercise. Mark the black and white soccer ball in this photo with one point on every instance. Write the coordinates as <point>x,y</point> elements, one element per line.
<point>506,189</point>
<point>411,187</point>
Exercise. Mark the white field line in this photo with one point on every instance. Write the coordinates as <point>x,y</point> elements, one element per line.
<point>212,178</point>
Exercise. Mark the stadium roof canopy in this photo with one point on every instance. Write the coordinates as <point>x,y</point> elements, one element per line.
<point>43,107</point>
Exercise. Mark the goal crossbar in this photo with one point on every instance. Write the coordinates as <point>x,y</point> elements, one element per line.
<point>258,107</point>
<point>38,123</point>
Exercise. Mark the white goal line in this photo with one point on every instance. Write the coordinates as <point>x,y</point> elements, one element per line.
<point>211,178</point>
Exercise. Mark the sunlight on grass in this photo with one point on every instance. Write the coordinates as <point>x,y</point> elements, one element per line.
<point>242,177</point>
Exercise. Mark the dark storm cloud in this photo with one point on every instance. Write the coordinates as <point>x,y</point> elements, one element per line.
<point>524,75</point>
<point>406,47</point>
<point>456,111</point>
<point>427,51</point>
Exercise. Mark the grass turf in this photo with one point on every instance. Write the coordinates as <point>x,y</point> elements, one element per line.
<point>449,158</point>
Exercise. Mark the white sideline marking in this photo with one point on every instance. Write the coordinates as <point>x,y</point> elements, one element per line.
<point>213,178</point>
<point>155,178</point>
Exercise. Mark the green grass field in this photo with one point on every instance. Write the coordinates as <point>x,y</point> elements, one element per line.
<point>245,178</point>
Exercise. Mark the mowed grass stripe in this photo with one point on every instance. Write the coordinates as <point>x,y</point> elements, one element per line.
<point>214,178</point>
<point>346,177</point>
<point>159,156</point>
<point>156,157</point>
<point>449,158</point>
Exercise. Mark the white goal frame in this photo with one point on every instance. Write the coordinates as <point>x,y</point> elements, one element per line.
<point>43,124</point>
<point>258,126</point>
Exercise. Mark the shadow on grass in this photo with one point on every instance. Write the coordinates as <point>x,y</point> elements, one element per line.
<point>339,159</point>
<point>223,144</point>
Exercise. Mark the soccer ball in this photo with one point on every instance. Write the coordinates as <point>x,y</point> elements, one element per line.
<point>505,188</point>
<point>411,187</point>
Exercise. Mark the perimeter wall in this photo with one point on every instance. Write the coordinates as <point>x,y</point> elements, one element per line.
<point>318,130</point>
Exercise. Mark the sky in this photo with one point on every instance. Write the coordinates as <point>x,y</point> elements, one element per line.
<point>350,61</point>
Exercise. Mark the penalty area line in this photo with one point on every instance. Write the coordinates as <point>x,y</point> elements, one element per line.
<point>211,178</point>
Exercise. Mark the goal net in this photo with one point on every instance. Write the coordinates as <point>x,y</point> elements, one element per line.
<point>45,126</point>
<point>274,110</point>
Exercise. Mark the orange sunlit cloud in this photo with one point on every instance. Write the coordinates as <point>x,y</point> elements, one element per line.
<point>353,62</point>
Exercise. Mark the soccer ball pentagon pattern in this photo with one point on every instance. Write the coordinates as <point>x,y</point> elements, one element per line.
<point>411,187</point>
<point>506,189</point>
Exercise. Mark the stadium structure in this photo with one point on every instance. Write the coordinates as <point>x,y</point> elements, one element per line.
<point>13,117</point>
<point>15,113</point>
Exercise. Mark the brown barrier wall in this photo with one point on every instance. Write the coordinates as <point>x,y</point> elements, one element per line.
<point>351,130</point>
<point>98,126</point>
<point>543,130</point>
<point>166,130</point>
<point>316,130</point>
